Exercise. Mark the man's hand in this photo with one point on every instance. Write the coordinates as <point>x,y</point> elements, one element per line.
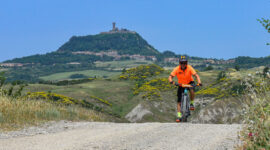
<point>176,83</point>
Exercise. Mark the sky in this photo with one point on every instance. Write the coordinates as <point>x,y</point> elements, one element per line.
<point>210,28</point>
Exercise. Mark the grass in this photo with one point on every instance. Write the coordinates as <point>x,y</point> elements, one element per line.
<point>119,65</point>
<point>90,73</point>
<point>16,113</point>
<point>208,77</point>
<point>118,93</point>
<point>109,65</point>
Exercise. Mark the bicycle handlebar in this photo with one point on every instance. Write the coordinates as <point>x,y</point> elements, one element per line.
<point>189,85</point>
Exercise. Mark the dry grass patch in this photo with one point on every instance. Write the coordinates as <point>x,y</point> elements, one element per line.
<point>16,113</point>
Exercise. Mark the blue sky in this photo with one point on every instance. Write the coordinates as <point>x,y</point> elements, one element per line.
<point>208,28</point>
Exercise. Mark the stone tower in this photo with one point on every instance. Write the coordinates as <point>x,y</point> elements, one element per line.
<point>113,26</point>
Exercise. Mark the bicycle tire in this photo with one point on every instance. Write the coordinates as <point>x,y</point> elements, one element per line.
<point>183,109</point>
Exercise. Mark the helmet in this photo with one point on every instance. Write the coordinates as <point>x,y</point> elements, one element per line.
<point>183,59</point>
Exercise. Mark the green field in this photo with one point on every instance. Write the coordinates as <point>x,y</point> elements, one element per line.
<point>89,73</point>
<point>3,69</point>
<point>119,65</point>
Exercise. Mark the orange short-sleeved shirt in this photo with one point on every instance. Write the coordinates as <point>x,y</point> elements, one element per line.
<point>184,77</point>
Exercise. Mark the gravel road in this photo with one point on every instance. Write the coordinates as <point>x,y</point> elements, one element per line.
<point>95,135</point>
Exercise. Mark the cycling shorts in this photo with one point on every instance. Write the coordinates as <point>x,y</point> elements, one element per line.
<point>181,90</point>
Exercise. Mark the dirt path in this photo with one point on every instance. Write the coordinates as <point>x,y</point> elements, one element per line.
<point>93,135</point>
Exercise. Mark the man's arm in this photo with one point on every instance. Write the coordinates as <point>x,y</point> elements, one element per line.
<point>171,79</point>
<point>172,82</point>
<point>198,79</point>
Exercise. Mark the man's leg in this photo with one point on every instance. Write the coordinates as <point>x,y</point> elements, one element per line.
<point>192,96</point>
<point>179,109</point>
<point>179,97</point>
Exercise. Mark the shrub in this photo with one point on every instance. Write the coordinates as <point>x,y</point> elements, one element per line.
<point>10,90</point>
<point>209,91</point>
<point>238,89</point>
<point>208,68</point>
<point>237,67</point>
<point>221,74</point>
<point>141,72</point>
<point>101,100</point>
<point>60,99</point>
<point>151,89</point>
<point>224,87</point>
<point>76,76</point>
<point>265,71</point>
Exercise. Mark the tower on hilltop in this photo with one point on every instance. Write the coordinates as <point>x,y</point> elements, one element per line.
<point>115,29</point>
<point>113,24</point>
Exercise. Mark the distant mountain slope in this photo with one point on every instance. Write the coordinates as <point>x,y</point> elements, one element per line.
<point>124,43</point>
<point>250,62</point>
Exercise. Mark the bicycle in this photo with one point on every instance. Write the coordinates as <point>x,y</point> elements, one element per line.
<point>185,103</point>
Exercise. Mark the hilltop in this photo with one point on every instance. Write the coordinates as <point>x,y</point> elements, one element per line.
<point>121,42</point>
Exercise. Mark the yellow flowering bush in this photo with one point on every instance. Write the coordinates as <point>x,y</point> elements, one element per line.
<point>61,99</point>
<point>101,100</point>
<point>209,91</point>
<point>152,88</point>
<point>141,72</point>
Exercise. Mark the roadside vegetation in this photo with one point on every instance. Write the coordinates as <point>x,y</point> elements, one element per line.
<point>17,113</point>
<point>256,132</point>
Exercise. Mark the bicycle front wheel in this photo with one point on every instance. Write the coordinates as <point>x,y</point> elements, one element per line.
<point>184,109</point>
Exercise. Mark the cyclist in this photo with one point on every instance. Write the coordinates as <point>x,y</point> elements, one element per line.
<point>184,73</point>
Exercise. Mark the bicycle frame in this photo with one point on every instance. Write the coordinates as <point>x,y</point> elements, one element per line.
<point>185,103</point>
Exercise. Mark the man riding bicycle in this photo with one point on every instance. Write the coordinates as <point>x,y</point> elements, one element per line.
<point>184,73</point>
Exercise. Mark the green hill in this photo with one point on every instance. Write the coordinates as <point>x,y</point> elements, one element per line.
<point>124,43</point>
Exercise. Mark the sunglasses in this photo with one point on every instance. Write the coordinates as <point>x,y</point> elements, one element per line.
<point>183,63</point>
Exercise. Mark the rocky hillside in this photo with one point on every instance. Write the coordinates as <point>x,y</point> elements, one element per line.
<point>225,100</point>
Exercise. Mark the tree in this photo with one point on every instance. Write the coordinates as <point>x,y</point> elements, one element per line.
<point>169,54</point>
<point>265,71</point>
<point>237,67</point>
<point>208,68</point>
<point>221,74</point>
<point>266,24</point>
<point>2,79</point>
<point>124,70</point>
